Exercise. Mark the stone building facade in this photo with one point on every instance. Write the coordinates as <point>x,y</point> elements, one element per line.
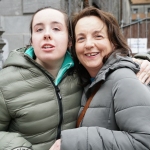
<point>15,16</point>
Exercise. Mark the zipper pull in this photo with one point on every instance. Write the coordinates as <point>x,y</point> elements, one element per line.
<point>59,96</point>
<point>58,92</point>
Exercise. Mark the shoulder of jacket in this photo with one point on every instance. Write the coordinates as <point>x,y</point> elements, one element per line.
<point>122,73</point>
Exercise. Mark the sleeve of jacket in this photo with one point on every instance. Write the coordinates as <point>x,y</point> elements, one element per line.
<point>132,113</point>
<point>145,56</point>
<point>9,140</point>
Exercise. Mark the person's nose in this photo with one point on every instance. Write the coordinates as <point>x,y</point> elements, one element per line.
<point>89,43</point>
<point>47,35</point>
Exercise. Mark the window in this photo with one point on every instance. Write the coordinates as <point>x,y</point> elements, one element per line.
<point>135,10</point>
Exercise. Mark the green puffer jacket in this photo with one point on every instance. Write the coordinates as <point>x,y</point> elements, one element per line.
<point>33,109</point>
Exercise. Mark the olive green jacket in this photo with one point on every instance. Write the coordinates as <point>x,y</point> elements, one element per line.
<point>33,108</point>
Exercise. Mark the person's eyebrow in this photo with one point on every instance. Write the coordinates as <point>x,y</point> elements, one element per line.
<point>56,22</point>
<point>38,24</point>
<point>97,31</point>
<point>80,34</point>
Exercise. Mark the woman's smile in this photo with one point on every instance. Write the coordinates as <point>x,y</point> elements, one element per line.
<point>92,54</point>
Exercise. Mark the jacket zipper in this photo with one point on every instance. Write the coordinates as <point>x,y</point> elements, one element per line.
<point>60,112</point>
<point>59,98</point>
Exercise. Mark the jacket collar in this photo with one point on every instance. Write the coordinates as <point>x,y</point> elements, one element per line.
<point>114,62</point>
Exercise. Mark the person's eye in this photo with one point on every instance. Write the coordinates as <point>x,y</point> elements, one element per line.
<point>80,39</point>
<point>99,37</point>
<point>56,29</point>
<point>39,30</point>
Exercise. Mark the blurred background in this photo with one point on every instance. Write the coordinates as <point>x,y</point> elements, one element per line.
<point>133,17</point>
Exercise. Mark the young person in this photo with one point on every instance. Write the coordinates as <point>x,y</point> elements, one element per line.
<point>39,90</point>
<point>115,105</point>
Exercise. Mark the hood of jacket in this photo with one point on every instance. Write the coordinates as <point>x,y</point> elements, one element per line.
<point>114,62</point>
<point>16,58</point>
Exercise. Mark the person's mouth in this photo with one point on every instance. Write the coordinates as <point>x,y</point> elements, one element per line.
<point>48,46</point>
<point>92,54</point>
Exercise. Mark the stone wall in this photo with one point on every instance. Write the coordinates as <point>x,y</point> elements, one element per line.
<point>15,16</point>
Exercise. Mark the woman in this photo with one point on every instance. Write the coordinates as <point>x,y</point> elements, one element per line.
<point>117,117</point>
<point>39,90</point>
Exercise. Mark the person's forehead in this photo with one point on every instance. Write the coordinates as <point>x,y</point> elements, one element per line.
<point>89,18</point>
<point>90,22</point>
<point>49,14</point>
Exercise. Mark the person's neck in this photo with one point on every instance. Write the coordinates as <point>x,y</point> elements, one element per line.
<point>52,68</point>
<point>93,71</point>
<point>53,71</point>
<point>93,74</point>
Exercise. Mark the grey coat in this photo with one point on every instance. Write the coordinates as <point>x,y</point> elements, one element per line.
<point>118,117</point>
